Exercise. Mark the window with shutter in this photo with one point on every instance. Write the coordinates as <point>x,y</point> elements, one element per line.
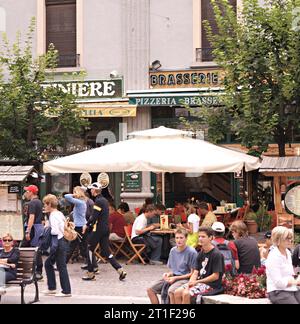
<point>61,30</point>
<point>207,13</point>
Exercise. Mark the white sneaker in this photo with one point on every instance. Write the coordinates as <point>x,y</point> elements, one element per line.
<point>49,292</point>
<point>62,295</point>
<point>2,291</point>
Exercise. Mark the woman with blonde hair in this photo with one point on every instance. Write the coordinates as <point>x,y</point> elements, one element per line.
<point>248,252</point>
<point>79,200</point>
<point>282,287</point>
<point>9,258</point>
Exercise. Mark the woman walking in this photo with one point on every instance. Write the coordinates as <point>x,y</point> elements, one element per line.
<point>59,254</point>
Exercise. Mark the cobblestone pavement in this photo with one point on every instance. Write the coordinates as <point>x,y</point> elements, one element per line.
<point>107,289</point>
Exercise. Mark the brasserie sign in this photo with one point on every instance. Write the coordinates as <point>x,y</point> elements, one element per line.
<point>93,89</point>
<point>186,79</point>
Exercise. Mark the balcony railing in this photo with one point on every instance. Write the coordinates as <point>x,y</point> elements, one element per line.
<point>204,54</point>
<point>72,60</point>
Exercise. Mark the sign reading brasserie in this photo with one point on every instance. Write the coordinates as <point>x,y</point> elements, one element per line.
<point>186,79</point>
<point>93,89</point>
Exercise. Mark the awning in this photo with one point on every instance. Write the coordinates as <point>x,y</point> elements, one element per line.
<point>14,173</point>
<point>115,109</point>
<point>176,97</point>
<point>280,164</point>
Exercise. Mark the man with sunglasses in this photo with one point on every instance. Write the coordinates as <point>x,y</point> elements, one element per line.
<point>9,258</point>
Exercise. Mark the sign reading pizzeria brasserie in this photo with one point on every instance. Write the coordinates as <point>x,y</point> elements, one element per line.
<point>186,79</point>
<point>93,89</point>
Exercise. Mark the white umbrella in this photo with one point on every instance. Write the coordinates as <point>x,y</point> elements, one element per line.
<point>156,150</point>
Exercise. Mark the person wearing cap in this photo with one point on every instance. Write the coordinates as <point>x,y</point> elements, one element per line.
<point>265,250</point>
<point>34,227</point>
<point>98,228</point>
<point>219,240</point>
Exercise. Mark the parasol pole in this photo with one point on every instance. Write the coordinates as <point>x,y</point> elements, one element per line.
<point>163,193</point>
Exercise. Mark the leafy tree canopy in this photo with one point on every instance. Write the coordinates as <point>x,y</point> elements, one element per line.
<point>33,118</point>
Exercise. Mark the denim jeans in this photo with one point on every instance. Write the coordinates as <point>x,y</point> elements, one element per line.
<point>59,257</point>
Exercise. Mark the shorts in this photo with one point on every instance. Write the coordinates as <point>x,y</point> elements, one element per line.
<point>157,287</point>
<point>199,289</point>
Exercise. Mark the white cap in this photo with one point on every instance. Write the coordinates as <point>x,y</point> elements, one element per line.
<point>95,185</point>
<point>218,227</point>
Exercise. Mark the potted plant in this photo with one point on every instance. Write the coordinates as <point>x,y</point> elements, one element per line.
<point>251,222</point>
<point>264,219</point>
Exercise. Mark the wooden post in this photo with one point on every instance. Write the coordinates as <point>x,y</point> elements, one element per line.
<point>277,195</point>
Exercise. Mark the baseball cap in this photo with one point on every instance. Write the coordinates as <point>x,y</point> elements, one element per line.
<point>95,185</point>
<point>218,227</point>
<point>268,234</point>
<point>32,188</point>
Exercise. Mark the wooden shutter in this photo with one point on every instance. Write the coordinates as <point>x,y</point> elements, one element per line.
<point>207,13</point>
<point>61,30</point>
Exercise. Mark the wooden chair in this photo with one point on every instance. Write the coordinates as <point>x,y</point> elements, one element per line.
<point>98,254</point>
<point>137,249</point>
<point>119,247</point>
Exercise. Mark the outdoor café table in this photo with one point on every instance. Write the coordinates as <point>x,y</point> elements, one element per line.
<point>166,246</point>
<point>222,215</point>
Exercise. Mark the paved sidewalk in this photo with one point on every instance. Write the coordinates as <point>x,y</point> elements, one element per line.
<point>107,289</point>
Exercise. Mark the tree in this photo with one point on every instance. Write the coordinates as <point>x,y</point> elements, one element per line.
<point>33,117</point>
<point>259,53</point>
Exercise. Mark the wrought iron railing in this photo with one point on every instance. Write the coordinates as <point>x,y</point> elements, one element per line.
<point>204,54</point>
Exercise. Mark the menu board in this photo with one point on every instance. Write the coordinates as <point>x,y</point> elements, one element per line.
<point>292,200</point>
<point>8,201</point>
<point>12,223</point>
<point>133,181</point>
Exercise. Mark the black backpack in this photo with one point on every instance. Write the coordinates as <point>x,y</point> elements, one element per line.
<point>45,240</point>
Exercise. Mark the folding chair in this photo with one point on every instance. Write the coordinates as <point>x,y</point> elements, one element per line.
<point>119,247</point>
<point>98,255</point>
<point>137,249</point>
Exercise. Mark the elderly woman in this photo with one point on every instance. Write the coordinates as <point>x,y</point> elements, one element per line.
<point>9,258</point>
<point>282,287</point>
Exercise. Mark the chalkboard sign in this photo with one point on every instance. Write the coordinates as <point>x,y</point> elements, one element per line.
<point>14,189</point>
<point>133,181</point>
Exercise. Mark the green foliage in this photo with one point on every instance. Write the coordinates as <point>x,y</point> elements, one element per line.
<point>259,53</point>
<point>296,238</point>
<point>33,118</point>
<point>264,220</point>
<point>251,216</point>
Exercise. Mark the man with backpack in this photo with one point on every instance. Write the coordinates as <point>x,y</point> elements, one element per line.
<point>227,248</point>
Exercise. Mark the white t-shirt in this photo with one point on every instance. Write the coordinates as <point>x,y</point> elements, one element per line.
<point>139,224</point>
<point>57,223</point>
<point>195,220</point>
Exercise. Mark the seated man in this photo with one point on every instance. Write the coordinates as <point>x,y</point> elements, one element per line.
<point>209,216</point>
<point>207,276</point>
<point>116,224</point>
<point>9,258</point>
<point>141,235</point>
<point>181,263</point>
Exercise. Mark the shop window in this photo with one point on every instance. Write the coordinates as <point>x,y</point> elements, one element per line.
<point>61,30</point>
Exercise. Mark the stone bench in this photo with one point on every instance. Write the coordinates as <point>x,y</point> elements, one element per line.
<point>227,299</point>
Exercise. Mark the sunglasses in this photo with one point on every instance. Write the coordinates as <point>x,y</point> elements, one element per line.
<point>7,240</point>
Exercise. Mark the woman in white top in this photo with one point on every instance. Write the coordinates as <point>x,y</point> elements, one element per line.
<point>57,223</point>
<point>282,287</point>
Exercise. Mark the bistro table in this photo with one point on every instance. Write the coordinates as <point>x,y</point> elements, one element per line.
<point>222,215</point>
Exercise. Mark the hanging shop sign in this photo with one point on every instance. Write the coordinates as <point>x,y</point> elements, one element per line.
<point>108,112</point>
<point>186,79</point>
<point>92,89</point>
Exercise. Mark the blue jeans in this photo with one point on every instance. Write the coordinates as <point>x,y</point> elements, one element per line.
<point>60,258</point>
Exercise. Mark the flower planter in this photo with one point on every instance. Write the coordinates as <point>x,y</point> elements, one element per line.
<point>252,226</point>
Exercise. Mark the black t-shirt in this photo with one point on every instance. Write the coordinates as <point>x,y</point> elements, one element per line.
<point>35,207</point>
<point>209,263</point>
<point>12,257</point>
<point>248,254</point>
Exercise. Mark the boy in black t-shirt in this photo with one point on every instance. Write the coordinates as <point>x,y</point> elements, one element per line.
<point>209,268</point>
